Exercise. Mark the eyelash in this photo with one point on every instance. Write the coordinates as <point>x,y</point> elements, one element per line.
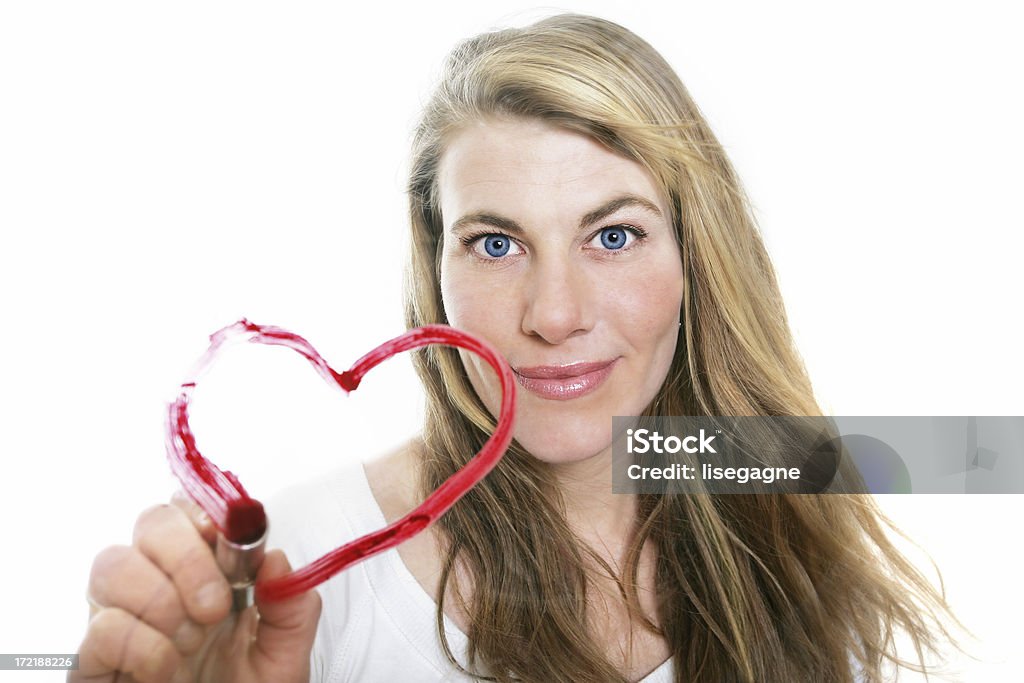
<point>470,241</point>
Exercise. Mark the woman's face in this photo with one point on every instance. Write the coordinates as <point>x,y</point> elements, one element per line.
<point>561,254</point>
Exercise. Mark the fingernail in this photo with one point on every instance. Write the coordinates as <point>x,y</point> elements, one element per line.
<point>211,596</point>
<point>188,637</point>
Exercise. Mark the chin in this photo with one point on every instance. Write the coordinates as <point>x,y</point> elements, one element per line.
<point>564,439</point>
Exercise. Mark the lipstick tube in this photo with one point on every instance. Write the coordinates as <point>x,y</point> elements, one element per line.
<point>240,562</point>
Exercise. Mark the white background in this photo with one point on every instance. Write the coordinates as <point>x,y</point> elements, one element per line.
<point>166,169</point>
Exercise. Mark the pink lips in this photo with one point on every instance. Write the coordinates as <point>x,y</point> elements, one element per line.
<point>564,382</point>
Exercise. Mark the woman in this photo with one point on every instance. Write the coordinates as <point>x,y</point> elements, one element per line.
<point>570,205</point>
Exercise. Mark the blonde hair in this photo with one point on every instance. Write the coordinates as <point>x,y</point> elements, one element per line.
<point>751,588</point>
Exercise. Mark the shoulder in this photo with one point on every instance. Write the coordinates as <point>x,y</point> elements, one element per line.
<point>307,519</point>
<point>393,477</point>
<point>365,615</point>
<point>394,480</point>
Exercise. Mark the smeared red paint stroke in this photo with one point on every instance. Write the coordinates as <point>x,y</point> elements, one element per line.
<point>241,519</point>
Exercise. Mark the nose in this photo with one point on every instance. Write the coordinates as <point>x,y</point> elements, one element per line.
<point>558,304</point>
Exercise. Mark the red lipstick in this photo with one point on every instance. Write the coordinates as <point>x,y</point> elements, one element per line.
<point>564,382</point>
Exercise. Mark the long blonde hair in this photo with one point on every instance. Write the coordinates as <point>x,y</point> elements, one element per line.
<point>750,588</point>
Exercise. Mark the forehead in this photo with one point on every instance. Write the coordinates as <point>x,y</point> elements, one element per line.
<point>529,165</point>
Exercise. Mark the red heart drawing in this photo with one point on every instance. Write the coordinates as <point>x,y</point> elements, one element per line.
<point>240,518</point>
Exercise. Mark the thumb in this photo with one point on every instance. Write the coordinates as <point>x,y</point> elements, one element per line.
<point>286,628</point>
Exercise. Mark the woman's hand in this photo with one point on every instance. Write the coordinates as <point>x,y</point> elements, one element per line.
<point>161,611</point>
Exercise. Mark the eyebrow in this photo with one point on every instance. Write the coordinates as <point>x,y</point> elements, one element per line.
<point>591,217</point>
<point>610,207</point>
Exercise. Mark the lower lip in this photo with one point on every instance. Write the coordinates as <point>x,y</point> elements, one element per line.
<point>566,388</point>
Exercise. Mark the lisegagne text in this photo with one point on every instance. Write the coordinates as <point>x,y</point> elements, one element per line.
<point>708,472</point>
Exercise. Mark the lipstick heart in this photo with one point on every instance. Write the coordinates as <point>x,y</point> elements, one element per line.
<point>240,518</point>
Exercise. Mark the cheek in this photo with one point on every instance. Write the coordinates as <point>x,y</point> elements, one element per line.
<point>644,304</point>
<point>486,310</point>
<point>477,305</point>
<point>648,322</point>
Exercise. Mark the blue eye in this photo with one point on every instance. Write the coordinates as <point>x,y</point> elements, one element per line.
<point>496,245</point>
<point>614,238</point>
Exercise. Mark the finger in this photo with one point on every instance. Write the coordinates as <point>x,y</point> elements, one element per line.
<point>165,535</point>
<point>200,520</point>
<point>94,605</point>
<point>118,642</point>
<point>286,628</point>
<point>125,578</point>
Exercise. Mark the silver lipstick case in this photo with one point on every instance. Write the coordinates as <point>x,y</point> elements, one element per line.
<point>240,562</point>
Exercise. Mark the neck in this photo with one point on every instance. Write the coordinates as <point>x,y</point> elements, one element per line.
<point>591,509</point>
